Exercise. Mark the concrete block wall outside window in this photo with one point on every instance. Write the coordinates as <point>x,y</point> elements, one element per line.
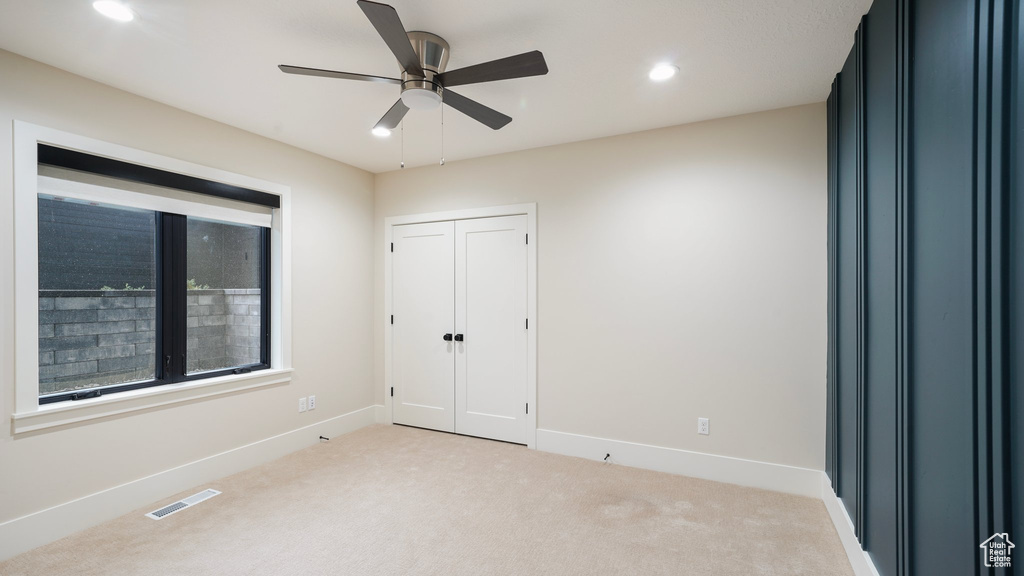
<point>91,338</point>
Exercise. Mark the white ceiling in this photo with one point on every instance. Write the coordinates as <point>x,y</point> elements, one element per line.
<point>218,59</point>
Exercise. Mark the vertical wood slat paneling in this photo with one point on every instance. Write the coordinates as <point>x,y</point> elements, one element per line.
<point>941,297</point>
<point>1016,276</point>
<point>830,395</point>
<point>879,333</point>
<point>1015,231</point>
<point>935,394</point>
<point>847,281</point>
<point>994,159</point>
<point>982,248</point>
<point>833,289</point>
<point>858,45</point>
<point>903,237</point>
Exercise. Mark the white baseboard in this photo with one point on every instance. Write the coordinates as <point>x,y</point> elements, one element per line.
<point>39,528</point>
<point>859,559</point>
<point>379,416</point>
<point>777,477</point>
<point>31,531</point>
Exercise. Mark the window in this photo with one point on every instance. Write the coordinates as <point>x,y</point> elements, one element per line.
<point>146,277</point>
<point>97,305</point>
<point>225,327</point>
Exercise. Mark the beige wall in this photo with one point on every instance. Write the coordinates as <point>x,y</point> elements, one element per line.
<point>332,246</point>
<point>681,275</point>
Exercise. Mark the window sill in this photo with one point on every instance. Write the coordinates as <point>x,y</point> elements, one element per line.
<point>76,412</point>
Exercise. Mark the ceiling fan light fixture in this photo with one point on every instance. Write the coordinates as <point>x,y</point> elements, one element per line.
<point>114,10</point>
<point>422,58</point>
<point>380,132</point>
<point>663,72</point>
<point>420,99</point>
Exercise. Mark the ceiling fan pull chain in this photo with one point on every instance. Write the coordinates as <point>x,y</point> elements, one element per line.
<point>442,135</point>
<point>403,145</point>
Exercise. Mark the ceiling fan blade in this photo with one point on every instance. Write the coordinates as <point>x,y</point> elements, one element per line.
<point>518,66</point>
<point>393,116</point>
<point>475,110</point>
<point>385,19</point>
<point>335,74</point>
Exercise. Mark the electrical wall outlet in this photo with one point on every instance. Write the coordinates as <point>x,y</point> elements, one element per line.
<point>702,426</point>
<point>312,402</point>
<point>302,404</point>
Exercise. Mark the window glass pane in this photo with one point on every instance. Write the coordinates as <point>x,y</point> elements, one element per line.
<point>97,304</point>
<point>224,272</point>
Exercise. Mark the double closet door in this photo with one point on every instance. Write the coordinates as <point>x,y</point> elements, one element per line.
<point>459,333</point>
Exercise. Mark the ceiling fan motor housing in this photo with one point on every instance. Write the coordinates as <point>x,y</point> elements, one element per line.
<point>422,92</point>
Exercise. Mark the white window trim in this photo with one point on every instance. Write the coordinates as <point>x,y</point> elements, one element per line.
<point>28,415</point>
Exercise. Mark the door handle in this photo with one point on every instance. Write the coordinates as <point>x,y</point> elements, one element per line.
<point>447,337</point>
<point>458,337</point>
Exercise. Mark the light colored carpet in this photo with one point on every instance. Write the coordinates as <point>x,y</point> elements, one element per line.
<point>395,500</point>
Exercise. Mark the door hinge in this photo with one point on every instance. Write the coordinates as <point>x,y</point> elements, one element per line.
<point>392,318</point>
<point>527,323</point>
<point>527,407</point>
<point>392,391</point>
<point>392,246</point>
<point>527,238</point>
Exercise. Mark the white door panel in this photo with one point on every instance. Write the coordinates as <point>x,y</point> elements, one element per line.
<point>423,363</point>
<point>490,313</point>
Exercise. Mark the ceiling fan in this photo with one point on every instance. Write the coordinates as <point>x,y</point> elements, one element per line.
<point>422,57</point>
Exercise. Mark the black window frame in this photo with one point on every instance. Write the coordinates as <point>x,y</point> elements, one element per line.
<point>171,254</point>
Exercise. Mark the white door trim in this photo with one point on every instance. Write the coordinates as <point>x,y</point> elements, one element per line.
<point>530,211</point>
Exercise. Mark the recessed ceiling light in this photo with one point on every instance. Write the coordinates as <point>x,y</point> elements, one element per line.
<point>663,72</point>
<point>381,132</point>
<point>115,10</point>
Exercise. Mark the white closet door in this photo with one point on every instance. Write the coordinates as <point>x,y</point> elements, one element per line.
<point>490,314</point>
<point>423,363</point>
